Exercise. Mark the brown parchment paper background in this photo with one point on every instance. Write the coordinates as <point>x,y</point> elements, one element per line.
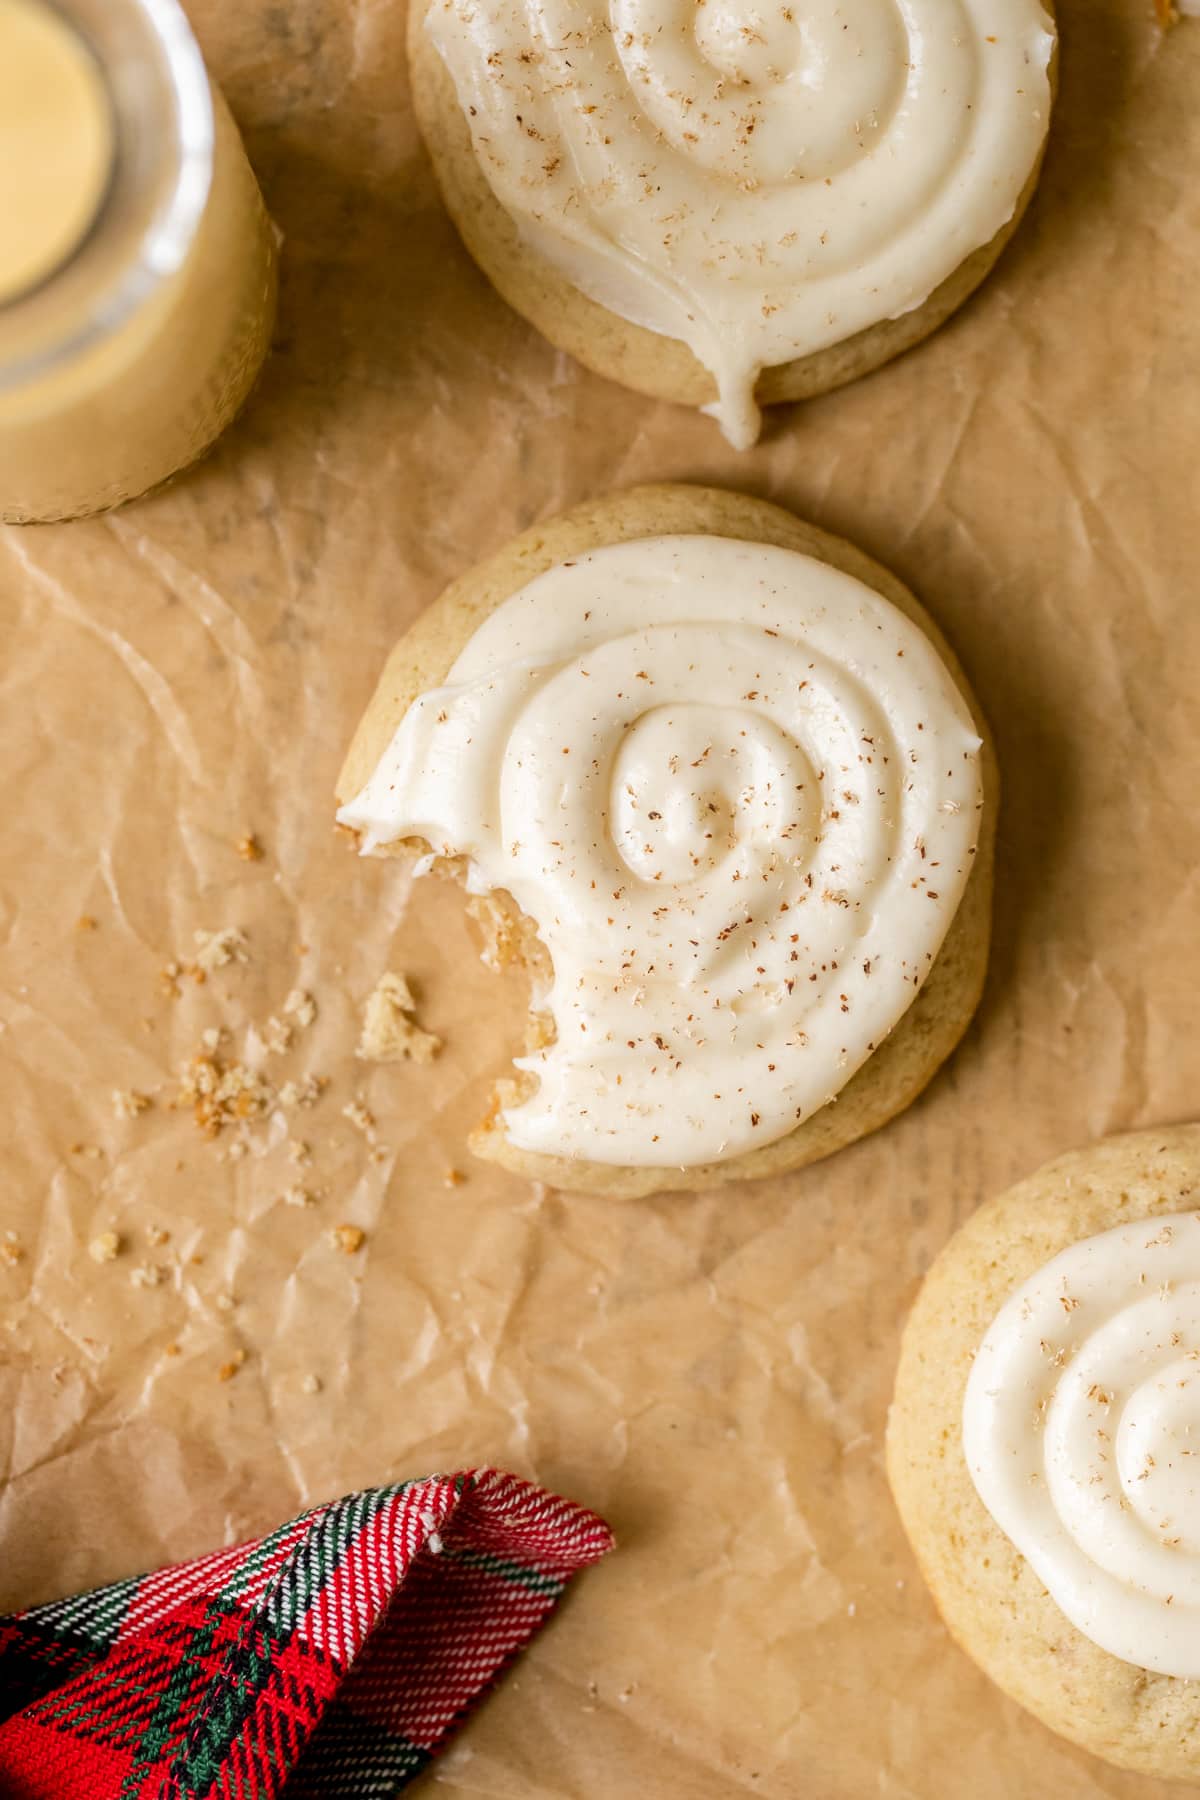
<point>711,1372</point>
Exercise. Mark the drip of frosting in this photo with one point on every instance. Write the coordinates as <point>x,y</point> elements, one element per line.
<point>1081,1430</point>
<point>759,178</point>
<point>737,791</point>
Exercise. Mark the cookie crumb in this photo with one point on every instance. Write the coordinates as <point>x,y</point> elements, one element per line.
<point>85,922</point>
<point>236,1151</point>
<point>157,1236</point>
<point>249,848</point>
<point>211,1039</point>
<point>347,1238</point>
<point>390,1032</point>
<point>303,1093</point>
<point>297,1196</point>
<point>229,1369</point>
<point>360,1116</point>
<point>277,1036</point>
<point>128,1103</point>
<point>301,1006</point>
<point>105,1247</point>
<point>11,1248</point>
<point>172,1350</point>
<point>310,1384</point>
<point>299,1153</point>
<point>453,1178</point>
<point>216,949</point>
<point>93,1152</point>
<point>221,1094</point>
<point>147,1275</point>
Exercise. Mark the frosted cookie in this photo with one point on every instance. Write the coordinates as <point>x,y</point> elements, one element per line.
<point>732,204</point>
<point>1044,1446</point>
<point>723,790</point>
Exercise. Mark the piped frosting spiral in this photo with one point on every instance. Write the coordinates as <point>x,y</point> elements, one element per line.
<point>737,791</point>
<point>1081,1430</point>
<point>759,178</point>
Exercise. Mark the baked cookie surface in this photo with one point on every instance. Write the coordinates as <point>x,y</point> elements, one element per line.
<point>657,362</point>
<point>992,1601</point>
<point>928,1030</point>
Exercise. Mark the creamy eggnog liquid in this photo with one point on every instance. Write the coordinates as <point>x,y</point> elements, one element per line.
<point>56,143</point>
<point>137,263</point>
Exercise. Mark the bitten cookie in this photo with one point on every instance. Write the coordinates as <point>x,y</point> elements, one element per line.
<point>1044,1446</point>
<point>719,783</point>
<point>735,205</point>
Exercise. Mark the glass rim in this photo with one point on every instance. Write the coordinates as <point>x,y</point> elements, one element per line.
<point>167,234</point>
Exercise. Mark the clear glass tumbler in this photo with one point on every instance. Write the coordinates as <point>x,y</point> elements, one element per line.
<point>121,168</point>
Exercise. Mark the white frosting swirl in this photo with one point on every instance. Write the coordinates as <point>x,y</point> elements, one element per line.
<point>737,791</point>
<point>759,178</point>
<point>1081,1429</point>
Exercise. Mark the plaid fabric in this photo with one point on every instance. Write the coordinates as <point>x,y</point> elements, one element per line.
<point>330,1659</point>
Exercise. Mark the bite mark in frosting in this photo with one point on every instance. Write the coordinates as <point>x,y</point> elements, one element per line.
<point>738,793</point>
<point>759,178</point>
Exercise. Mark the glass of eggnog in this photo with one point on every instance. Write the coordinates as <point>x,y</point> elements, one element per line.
<point>137,262</point>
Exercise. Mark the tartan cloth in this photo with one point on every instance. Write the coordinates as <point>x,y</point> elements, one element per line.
<point>328,1661</point>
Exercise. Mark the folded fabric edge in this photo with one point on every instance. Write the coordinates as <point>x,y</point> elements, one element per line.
<point>342,1574</point>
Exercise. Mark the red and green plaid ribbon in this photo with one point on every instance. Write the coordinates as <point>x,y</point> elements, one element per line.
<point>330,1659</point>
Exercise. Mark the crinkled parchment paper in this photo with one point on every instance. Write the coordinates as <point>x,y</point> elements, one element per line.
<point>712,1373</point>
